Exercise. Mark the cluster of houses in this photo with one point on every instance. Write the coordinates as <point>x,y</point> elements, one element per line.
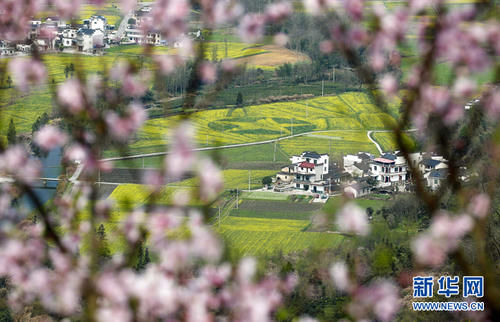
<point>360,174</point>
<point>55,34</point>
<point>90,37</point>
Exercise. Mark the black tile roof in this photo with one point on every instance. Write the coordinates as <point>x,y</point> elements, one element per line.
<point>389,156</point>
<point>430,162</point>
<point>439,173</point>
<point>311,154</point>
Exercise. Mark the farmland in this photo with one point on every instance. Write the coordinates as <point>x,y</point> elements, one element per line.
<point>263,227</point>
<point>268,121</point>
<point>387,140</point>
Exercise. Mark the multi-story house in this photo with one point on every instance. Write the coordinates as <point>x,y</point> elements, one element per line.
<point>310,169</point>
<point>97,23</point>
<point>389,169</point>
<point>89,40</point>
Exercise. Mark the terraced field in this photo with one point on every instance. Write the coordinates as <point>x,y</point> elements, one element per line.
<point>264,227</point>
<point>261,243</point>
<point>268,121</point>
<point>387,140</point>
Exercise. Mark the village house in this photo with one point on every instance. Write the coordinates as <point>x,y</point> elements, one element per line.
<point>96,23</point>
<point>435,178</point>
<point>389,170</point>
<point>89,40</point>
<point>429,164</point>
<point>357,165</point>
<point>358,189</point>
<point>310,169</point>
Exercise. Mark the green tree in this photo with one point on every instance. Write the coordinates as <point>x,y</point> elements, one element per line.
<point>214,53</point>
<point>267,180</point>
<point>239,99</point>
<point>11,133</point>
<point>103,247</point>
<point>9,81</point>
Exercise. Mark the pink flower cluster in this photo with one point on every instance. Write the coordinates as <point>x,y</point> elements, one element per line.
<point>445,233</point>
<point>122,127</point>
<point>26,72</point>
<point>251,28</point>
<point>352,219</point>
<point>380,298</point>
<point>16,163</point>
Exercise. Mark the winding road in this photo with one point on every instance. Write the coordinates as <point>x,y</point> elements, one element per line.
<point>229,146</point>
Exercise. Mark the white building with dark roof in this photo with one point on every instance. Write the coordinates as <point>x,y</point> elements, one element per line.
<point>89,40</point>
<point>309,169</point>
<point>389,169</point>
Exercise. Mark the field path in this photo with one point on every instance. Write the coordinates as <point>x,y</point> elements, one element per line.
<point>229,146</point>
<point>369,135</point>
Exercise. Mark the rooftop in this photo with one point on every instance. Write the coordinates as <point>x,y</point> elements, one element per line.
<point>438,173</point>
<point>430,162</point>
<point>311,154</point>
<point>383,160</point>
<point>306,165</point>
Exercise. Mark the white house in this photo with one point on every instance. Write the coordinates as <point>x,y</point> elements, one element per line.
<point>389,169</point>
<point>429,164</point>
<point>436,177</point>
<point>89,39</point>
<point>310,169</point>
<point>358,189</point>
<point>97,23</point>
<point>314,158</point>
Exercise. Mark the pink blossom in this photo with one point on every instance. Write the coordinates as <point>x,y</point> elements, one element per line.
<point>464,87</point>
<point>181,156</point>
<point>135,85</point>
<point>389,85</point>
<point>225,11</point>
<point>154,179</point>
<point>127,5</point>
<point>278,11</point>
<point>211,181</point>
<point>131,226</point>
<point>326,46</point>
<point>340,276</point>
<point>246,269</point>
<point>450,229</point>
<point>208,72</point>
<point>428,250</point>
<point>251,28</point>
<point>492,104</point>
<point>15,16</point>
<point>354,8</point>
<point>352,219</point>
<point>166,63</point>
<point>318,7</point>
<point>280,39</point>
<point>16,162</point>
<point>479,205</point>
<point>169,17</point>
<point>67,9</point>
<point>50,137</point>
<point>70,95</point>
<point>122,128</point>
<point>27,72</point>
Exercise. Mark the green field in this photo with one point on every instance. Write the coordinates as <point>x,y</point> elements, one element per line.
<point>263,243</point>
<point>387,141</point>
<point>264,227</point>
<point>268,121</point>
<point>263,195</point>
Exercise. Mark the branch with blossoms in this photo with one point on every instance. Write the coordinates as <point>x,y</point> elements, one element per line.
<point>55,261</point>
<point>453,36</point>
